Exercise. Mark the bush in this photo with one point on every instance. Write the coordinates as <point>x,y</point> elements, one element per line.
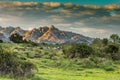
<point>96,62</point>
<point>11,65</point>
<point>113,50</point>
<point>87,63</point>
<point>37,55</point>
<point>1,41</point>
<point>78,50</point>
<point>109,68</point>
<point>31,43</point>
<point>16,38</point>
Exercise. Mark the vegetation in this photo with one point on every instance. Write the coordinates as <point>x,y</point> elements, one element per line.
<point>105,41</point>
<point>11,65</point>
<point>1,41</point>
<point>99,60</point>
<point>16,38</point>
<point>114,38</point>
<point>113,50</point>
<point>78,50</point>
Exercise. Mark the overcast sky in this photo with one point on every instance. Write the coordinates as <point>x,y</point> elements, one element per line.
<point>94,18</point>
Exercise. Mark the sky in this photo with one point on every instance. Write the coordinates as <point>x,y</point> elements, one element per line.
<point>93,2</point>
<point>93,18</point>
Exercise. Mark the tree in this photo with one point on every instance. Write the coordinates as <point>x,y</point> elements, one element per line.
<point>119,40</point>
<point>113,50</point>
<point>114,38</point>
<point>105,41</point>
<point>97,42</point>
<point>1,41</point>
<point>16,38</point>
<point>78,50</point>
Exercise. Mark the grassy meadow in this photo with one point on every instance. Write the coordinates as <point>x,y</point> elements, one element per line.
<point>52,64</point>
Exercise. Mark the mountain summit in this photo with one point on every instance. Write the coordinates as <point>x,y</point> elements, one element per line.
<point>50,35</point>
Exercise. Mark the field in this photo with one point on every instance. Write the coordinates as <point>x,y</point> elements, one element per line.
<point>51,65</point>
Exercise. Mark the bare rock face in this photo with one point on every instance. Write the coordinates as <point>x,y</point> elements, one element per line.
<point>35,33</point>
<point>54,35</point>
<point>3,38</point>
<point>50,35</point>
<point>19,31</point>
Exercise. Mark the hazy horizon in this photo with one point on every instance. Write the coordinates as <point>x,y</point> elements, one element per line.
<point>98,18</point>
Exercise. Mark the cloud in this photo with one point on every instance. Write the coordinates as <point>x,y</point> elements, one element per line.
<point>92,32</point>
<point>18,4</point>
<point>112,7</point>
<point>63,25</point>
<point>79,23</point>
<point>68,5</point>
<point>52,4</point>
<point>89,17</point>
<point>92,6</point>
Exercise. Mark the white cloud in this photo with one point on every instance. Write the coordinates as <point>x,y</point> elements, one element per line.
<point>52,4</point>
<point>92,32</point>
<point>64,25</point>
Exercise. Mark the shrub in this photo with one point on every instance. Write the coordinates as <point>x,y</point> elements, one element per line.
<point>109,68</point>
<point>1,41</point>
<point>10,64</point>
<point>37,55</point>
<point>96,62</point>
<point>113,50</point>
<point>87,63</point>
<point>78,50</point>
<point>31,43</point>
<point>16,38</point>
<point>105,41</point>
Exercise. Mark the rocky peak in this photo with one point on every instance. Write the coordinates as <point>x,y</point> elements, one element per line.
<point>18,28</point>
<point>45,34</point>
<point>19,31</point>
<point>51,27</point>
<point>43,29</point>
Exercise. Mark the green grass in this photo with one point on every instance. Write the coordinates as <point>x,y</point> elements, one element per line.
<point>52,73</point>
<point>59,68</point>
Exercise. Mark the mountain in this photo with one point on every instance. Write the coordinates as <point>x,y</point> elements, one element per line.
<point>50,35</point>
<point>7,31</point>
<point>19,31</point>
<point>35,33</point>
<point>2,37</point>
<point>54,35</point>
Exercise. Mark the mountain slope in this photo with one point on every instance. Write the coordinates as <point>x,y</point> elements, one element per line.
<point>35,33</point>
<point>44,35</point>
<point>53,35</point>
<point>7,31</point>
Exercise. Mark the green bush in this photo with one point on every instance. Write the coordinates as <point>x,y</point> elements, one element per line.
<point>1,41</point>
<point>78,50</point>
<point>109,68</point>
<point>37,55</point>
<point>87,63</point>
<point>96,62</point>
<point>11,65</point>
<point>16,38</point>
<point>113,50</point>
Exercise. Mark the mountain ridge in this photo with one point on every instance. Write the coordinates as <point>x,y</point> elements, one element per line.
<point>45,34</point>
